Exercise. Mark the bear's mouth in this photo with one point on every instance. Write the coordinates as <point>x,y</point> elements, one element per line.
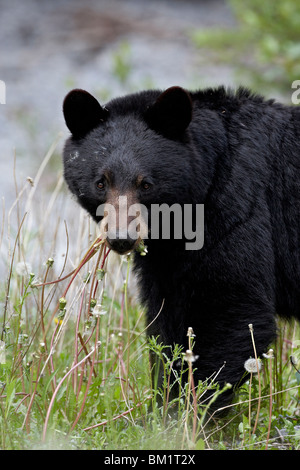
<point>122,245</point>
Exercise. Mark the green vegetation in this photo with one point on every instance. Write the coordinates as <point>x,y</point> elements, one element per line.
<point>265,43</point>
<point>74,360</point>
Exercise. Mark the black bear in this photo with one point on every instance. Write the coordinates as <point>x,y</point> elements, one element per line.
<point>232,152</point>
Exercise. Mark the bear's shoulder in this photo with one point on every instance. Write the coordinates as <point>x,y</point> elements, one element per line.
<point>229,98</point>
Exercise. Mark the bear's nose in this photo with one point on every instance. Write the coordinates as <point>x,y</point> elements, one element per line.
<point>121,243</point>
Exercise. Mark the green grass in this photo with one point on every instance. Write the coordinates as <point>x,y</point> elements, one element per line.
<point>74,359</point>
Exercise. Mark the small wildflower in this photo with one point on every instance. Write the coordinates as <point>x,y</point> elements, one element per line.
<point>23,269</point>
<point>50,262</point>
<point>98,310</point>
<point>62,303</point>
<point>62,311</point>
<point>142,249</point>
<point>190,332</point>
<point>189,356</point>
<point>269,354</point>
<point>42,347</point>
<point>251,365</point>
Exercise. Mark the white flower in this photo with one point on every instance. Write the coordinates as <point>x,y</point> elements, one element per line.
<point>190,332</point>
<point>23,269</point>
<point>189,356</point>
<point>269,354</point>
<point>251,365</point>
<point>98,310</point>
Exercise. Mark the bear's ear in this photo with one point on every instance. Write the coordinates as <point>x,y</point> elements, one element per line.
<point>82,112</point>
<point>171,113</point>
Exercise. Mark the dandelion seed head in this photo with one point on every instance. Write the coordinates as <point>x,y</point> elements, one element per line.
<point>23,268</point>
<point>251,365</point>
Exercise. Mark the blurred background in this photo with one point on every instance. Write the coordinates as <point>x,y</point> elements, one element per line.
<point>112,47</point>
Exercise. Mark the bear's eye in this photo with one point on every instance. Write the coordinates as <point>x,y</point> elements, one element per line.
<point>145,185</point>
<point>100,185</point>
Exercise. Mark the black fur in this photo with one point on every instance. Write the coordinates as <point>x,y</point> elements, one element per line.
<point>237,154</point>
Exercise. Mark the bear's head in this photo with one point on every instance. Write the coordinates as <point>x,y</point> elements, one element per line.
<point>125,156</point>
